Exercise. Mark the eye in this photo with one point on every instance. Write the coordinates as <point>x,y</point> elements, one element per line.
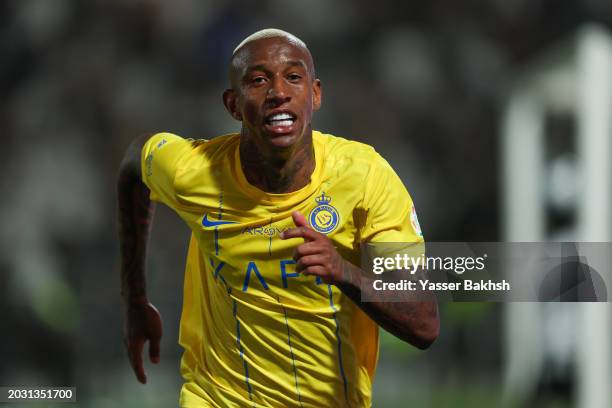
<point>258,80</point>
<point>294,77</point>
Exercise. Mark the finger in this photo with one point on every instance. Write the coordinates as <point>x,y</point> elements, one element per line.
<point>316,270</point>
<point>299,220</point>
<point>299,232</point>
<point>154,350</point>
<point>308,248</point>
<point>135,353</point>
<point>309,260</point>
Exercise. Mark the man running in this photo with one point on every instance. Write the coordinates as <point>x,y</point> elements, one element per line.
<point>272,311</point>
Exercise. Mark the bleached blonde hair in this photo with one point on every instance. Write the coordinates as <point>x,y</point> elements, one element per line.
<point>270,33</point>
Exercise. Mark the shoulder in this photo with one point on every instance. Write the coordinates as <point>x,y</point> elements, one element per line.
<point>212,150</point>
<point>340,146</point>
<point>191,152</point>
<point>349,155</point>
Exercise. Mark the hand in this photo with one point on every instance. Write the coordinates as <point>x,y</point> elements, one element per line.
<point>317,255</point>
<point>143,322</point>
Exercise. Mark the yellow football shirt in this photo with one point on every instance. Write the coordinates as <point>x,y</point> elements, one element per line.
<point>255,332</point>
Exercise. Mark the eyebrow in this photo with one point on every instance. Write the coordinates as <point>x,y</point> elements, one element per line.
<point>298,64</point>
<point>262,67</point>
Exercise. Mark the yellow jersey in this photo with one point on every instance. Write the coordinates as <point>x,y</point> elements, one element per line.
<point>255,332</point>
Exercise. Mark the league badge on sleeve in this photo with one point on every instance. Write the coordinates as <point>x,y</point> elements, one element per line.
<point>414,221</point>
<point>323,218</point>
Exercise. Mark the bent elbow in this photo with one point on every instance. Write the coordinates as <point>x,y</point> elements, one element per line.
<point>427,335</point>
<point>425,341</point>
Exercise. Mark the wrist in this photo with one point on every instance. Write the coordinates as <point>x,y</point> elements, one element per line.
<point>135,300</point>
<point>351,275</point>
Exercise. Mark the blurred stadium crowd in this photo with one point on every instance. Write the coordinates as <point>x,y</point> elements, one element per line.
<point>422,81</point>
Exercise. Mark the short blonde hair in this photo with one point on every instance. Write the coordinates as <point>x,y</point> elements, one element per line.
<point>270,33</point>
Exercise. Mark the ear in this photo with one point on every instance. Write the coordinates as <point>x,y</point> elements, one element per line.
<point>317,94</point>
<point>229,100</point>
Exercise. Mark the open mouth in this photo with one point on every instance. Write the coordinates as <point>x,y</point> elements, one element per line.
<point>280,120</point>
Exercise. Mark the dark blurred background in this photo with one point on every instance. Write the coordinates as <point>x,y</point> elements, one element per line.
<point>424,82</point>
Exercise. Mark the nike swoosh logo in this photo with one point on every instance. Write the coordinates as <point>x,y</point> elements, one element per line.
<point>208,223</point>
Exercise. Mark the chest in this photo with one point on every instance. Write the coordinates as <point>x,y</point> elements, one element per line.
<point>239,235</point>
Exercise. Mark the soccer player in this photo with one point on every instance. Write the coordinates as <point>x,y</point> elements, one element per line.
<point>272,312</point>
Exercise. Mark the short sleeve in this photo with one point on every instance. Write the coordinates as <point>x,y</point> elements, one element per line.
<point>160,158</point>
<point>390,212</point>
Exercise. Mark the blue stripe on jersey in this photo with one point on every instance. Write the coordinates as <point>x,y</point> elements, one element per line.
<point>331,304</point>
<point>217,273</point>
<point>244,362</point>
<point>297,388</point>
<point>217,241</point>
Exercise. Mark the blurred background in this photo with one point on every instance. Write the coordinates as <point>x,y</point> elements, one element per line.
<point>478,105</point>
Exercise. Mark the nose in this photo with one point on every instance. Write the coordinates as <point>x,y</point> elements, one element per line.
<point>277,91</point>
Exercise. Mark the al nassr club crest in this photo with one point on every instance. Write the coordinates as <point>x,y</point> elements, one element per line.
<point>324,217</point>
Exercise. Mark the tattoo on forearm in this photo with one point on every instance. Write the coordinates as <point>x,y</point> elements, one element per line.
<point>405,319</point>
<point>135,217</point>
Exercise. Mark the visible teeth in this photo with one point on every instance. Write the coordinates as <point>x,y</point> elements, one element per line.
<point>282,122</point>
<point>281,119</point>
<point>280,116</point>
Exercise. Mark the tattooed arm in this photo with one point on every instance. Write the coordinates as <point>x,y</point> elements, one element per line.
<point>415,322</point>
<point>142,320</point>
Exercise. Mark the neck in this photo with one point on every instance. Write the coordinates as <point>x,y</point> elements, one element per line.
<point>278,171</point>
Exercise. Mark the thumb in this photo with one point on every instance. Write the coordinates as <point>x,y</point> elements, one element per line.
<point>299,220</point>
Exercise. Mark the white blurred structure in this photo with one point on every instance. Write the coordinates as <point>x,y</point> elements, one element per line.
<point>574,79</point>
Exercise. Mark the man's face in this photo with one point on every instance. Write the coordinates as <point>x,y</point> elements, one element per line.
<point>273,92</point>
